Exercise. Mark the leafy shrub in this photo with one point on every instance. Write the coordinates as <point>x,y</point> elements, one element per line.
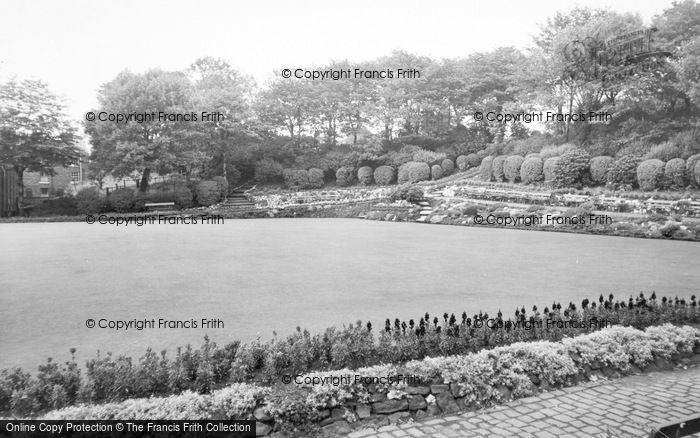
<point>664,152</point>
<point>473,160</point>
<point>267,170</point>
<point>497,168</point>
<point>556,151</point>
<point>414,172</point>
<point>64,206</point>
<point>486,168</point>
<point>436,172</point>
<point>182,196</point>
<point>384,175</point>
<point>223,185</point>
<point>429,157</point>
<point>650,174</point>
<point>364,175</point>
<point>690,167</point>
<point>344,176</point>
<point>475,376</point>
<point>511,168</point>
<point>548,168</point>
<point>207,193</point>
<point>696,173</point>
<point>462,163</point>
<point>122,200</point>
<point>599,168</point>
<point>296,178</point>
<point>531,170</point>
<point>447,166</point>
<point>90,201</point>
<point>674,173</point>
<point>407,192</point>
<point>572,168</point>
<point>623,170</point>
<point>315,178</point>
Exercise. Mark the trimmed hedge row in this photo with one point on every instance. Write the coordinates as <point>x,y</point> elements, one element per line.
<point>575,168</point>
<point>443,384</point>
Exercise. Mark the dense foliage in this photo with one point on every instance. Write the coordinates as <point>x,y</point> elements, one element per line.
<point>110,378</point>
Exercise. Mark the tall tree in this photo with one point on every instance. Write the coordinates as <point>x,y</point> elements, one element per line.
<point>35,133</point>
<point>140,147</point>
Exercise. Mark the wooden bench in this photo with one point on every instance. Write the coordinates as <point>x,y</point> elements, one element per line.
<point>159,206</point>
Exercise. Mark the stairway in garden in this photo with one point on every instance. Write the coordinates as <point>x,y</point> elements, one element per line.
<point>237,201</point>
<point>425,210</point>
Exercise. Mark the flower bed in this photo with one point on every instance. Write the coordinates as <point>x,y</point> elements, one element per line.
<point>440,384</point>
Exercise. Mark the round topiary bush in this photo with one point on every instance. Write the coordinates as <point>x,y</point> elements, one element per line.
<point>207,193</point>
<point>447,167</point>
<point>696,173</point>
<point>436,172</point>
<point>531,170</point>
<point>315,178</point>
<point>511,168</point>
<point>497,168</point>
<point>462,163</point>
<point>364,175</point>
<point>485,169</point>
<point>296,178</point>
<point>345,176</point>
<point>548,168</point>
<point>407,192</point>
<point>473,160</point>
<point>122,200</point>
<point>674,173</point>
<point>572,168</point>
<point>690,167</point>
<point>650,174</point>
<point>384,175</point>
<point>623,170</point>
<point>418,171</point>
<point>89,201</point>
<point>598,168</point>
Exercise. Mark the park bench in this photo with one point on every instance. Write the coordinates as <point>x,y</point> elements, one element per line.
<point>677,429</point>
<point>159,206</point>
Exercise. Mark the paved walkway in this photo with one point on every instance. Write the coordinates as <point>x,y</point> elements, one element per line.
<point>622,408</point>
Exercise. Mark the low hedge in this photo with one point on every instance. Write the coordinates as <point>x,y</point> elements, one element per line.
<point>447,383</point>
<point>122,200</point>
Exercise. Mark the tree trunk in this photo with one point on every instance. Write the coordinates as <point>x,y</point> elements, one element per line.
<point>20,185</point>
<point>143,187</point>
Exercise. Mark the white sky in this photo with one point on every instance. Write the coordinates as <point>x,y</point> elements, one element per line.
<point>75,46</point>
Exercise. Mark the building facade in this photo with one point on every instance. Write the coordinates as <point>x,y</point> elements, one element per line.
<point>63,181</point>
